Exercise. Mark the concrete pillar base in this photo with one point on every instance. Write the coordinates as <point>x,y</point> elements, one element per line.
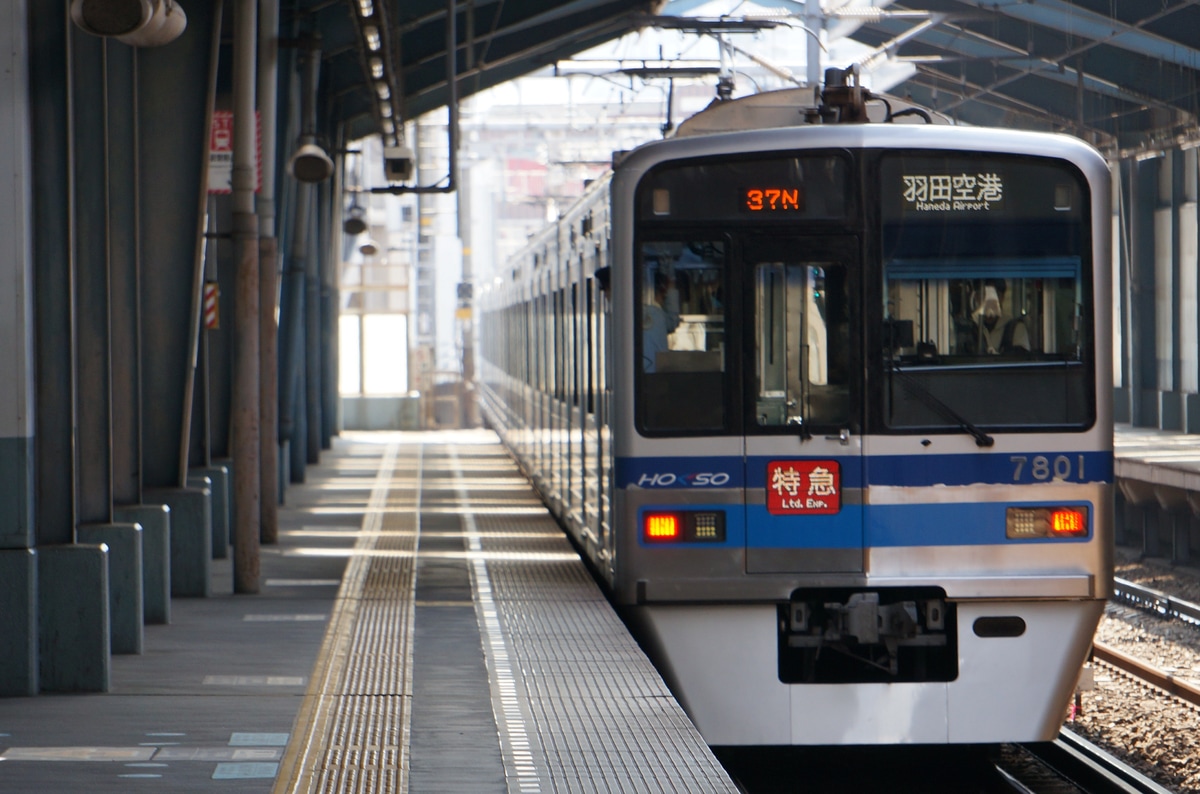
<point>125,608</point>
<point>1145,408</point>
<point>18,623</point>
<point>220,473</point>
<point>73,619</point>
<point>1122,405</point>
<point>231,492</point>
<point>219,481</point>
<point>1191,409</point>
<point>285,470</point>
<point>191,538</point>
<point>1170,410</point>
<point>155,521</point>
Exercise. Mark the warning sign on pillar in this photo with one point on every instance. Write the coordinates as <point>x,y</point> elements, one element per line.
<point>220,152</point>
<point>212,307</point>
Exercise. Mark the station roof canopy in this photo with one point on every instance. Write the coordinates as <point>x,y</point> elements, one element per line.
<point>387,59</point>
<point>1120,73</point>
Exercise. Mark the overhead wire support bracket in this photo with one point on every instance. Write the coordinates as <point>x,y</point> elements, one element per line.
<point>451,123</point>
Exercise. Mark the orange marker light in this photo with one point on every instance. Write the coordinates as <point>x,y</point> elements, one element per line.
<point>661,526</point>
<point>1028,523</point>
<point>1065,521</point>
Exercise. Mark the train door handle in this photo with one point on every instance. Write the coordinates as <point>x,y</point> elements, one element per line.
<point>843,436</point>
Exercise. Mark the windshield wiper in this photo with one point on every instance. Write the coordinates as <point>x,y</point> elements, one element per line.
<point>916,388</point>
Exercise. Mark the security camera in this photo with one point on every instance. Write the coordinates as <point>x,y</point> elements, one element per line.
<point>397,163</point>
<point>138,23</point>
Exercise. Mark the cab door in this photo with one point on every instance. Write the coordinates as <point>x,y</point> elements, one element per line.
<point>801,368</point>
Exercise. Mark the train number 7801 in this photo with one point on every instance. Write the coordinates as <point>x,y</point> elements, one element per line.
<point>1043,467</point>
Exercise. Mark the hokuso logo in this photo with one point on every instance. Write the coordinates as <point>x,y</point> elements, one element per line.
<point>698,480</point>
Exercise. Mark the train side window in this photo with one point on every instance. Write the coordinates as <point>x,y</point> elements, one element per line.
<point>801,344</point>
<point>680,336</point>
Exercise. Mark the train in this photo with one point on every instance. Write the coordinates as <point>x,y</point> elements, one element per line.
<point>822,392</point>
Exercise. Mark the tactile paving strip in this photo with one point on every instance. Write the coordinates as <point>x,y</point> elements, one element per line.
<point>352,730</point>
<point>578,706</point>
<point>599,715</point>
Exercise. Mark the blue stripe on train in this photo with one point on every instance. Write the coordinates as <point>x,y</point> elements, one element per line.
<point>952,524</point>
<point>886,470</point>
<point>976,524</point>
<point>999,468</point>
<point>679,472</point>
<point>885,526</point>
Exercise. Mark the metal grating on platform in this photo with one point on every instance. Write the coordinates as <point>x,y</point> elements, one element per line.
<point>352,729</point>
<point>574,704</point>
<point>593,704</point>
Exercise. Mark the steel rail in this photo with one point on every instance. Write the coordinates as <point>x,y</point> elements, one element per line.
<point>1086,765</point>
<point>1151,675</point>
<point>1154,600</point>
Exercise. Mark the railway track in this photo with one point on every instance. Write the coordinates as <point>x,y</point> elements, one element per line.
<point>1136,670</point>
<point>1166,606</point>
<point>1069,765</point>
<point>1144,672</point>
<point>1089,768</point>
<point>1153,600</point>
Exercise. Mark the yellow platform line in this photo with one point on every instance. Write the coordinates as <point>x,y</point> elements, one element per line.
<point>297,772</point>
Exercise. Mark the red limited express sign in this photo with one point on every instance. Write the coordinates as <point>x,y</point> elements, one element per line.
<point>803,487</point>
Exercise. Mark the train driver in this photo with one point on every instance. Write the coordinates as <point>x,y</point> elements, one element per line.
<point>999,332</point>
<point>660,317</point>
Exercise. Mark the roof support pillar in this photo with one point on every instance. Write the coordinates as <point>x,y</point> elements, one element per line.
<point>268,272</point>
<point>246,422</point>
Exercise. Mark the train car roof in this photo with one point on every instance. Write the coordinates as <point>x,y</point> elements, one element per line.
<point>786,108</point>
<point>861,136</point>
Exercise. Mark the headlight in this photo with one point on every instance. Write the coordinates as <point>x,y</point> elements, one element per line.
<point>1046,522</point>
<point>684,526</point>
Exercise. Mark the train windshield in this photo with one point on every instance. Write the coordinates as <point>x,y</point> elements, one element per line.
<point>986,293</point>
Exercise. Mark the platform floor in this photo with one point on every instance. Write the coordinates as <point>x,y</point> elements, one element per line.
<point>1157,456</point>
<point>423,626</point>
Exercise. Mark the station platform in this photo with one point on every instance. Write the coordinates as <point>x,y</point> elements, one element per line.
<point>1158,493</point>
<point>423,625</point>
<point>1157,457</point>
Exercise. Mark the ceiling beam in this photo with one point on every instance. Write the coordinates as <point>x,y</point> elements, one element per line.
<point>965,42</point>
<point>1035,113</point>
<point>1074,20</point>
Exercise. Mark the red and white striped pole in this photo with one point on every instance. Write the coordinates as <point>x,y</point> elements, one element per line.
<point>212,306</point>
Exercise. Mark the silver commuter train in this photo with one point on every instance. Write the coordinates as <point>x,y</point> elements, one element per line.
<point>827,406</point>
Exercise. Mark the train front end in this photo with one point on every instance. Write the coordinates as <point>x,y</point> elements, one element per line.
<point>863,467</point>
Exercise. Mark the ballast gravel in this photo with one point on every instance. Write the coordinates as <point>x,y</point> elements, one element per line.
<point>1156,733</point>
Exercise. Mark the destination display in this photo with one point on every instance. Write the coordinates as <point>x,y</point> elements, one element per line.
<point>776,189</point>
<point>774,199</point>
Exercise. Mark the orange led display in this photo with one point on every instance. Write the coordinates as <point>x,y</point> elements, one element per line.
<point>662,526</point>
<point>774,199</point>
<point>1068,522</point>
